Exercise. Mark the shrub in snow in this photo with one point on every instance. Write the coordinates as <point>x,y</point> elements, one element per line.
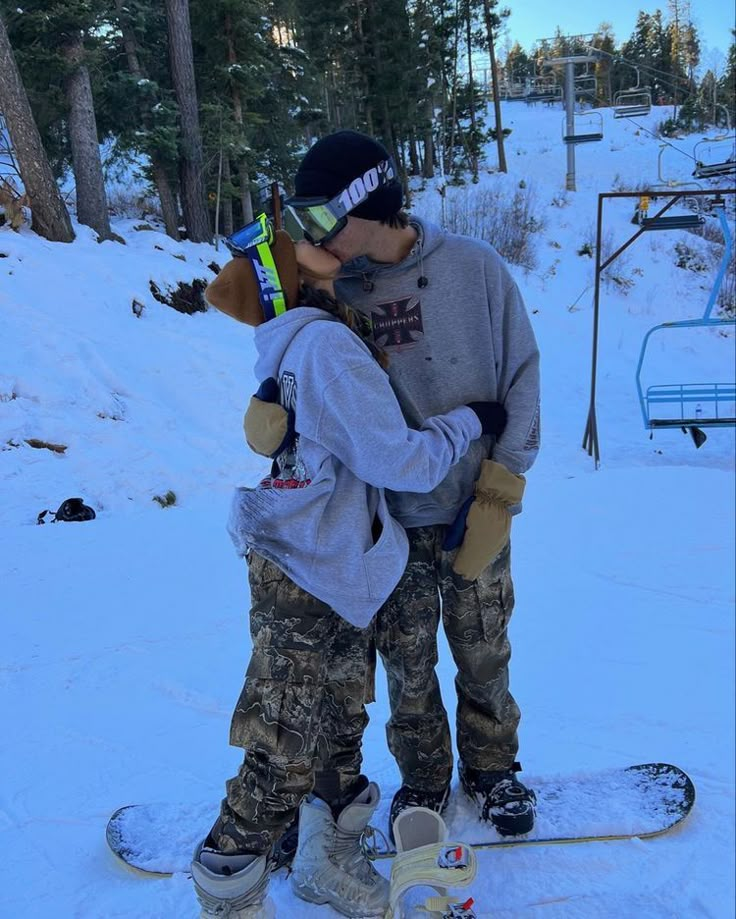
<point>505,220</point>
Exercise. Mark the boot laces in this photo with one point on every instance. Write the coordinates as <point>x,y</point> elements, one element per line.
<point>350,855</point>
<point>373,843</point>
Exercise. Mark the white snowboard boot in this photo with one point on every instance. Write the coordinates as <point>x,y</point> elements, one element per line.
<point>232,886</point>
<point>329,865</point>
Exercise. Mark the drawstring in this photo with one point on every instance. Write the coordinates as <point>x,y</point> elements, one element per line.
<point>422,280</point>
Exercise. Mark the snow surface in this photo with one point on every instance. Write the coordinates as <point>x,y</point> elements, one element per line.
<point>125,639</point>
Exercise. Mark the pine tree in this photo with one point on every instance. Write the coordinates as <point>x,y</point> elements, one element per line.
<point>191,162</point>
<point>727,83</point>
<point>137,103</point>
<point>57,41</point>
<point>50,217</point>
<point>492,22</point>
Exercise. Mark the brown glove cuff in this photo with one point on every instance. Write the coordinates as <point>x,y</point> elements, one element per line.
<point>496,484</point>
<point>265,425</point>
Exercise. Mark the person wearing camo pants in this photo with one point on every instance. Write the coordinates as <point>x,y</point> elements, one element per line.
<point>454,325</point>
<point>475,616</point>
<point>323,555</point>
<point>301,711</point>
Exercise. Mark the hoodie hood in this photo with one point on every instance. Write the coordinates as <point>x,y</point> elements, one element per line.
<point>273,338</point>
<point>429,239</point>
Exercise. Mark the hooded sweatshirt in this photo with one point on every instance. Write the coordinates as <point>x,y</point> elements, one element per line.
<point>463,337</point>
<point>321,516</point>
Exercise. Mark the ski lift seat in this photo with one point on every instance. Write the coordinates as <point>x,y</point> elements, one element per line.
<point>631,111</point>
<point>715,156</point>
<point>692,405</point>
<point>588,129</point>
<point>714,170</point>
<point>583,138</point>
<point>628,103</point>
<point>678,222</point>
<point>699,405</point>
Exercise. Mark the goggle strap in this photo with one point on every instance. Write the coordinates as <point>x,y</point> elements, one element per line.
<point>273,301</point>
<point>256,232</point>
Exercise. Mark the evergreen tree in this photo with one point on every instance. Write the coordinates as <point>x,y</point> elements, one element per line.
<point>518,66</point>
<point>63,36</point>
<point>50,217</point>
<point>727,83</point>
<point>191,157</point>
<point>136,100</point>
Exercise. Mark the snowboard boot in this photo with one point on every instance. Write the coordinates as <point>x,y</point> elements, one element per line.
<point>502,798</point>
<point>232,886</point>
<point>330,865</point>
<point>407,796</point>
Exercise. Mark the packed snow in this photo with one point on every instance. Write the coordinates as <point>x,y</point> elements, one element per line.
<point>125,638</point>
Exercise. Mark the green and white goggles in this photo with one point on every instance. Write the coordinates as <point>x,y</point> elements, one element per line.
<point>318,220</point>
<point>253,241</point>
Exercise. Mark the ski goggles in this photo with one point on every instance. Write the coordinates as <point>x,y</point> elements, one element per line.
<point>318,220</point>
<point>253,242</point>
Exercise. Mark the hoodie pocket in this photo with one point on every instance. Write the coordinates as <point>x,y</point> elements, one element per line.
<point>385,561</point>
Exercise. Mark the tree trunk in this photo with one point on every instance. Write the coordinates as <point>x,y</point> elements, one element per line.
<point>496,97</point>
<point>473,131</point>
<point>227,201</point>
<point>246,201</point>
<point>86,162</point>
<point>50,217</point>
<point>191,162</point>
<point>413,154</point>
<point>169,209</point>
<point>428,164</point>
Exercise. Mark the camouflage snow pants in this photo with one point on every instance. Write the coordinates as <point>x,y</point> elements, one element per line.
<point>301,712</point>
<point>475,616</point>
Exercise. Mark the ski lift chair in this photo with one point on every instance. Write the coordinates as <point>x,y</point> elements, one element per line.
<point>544,89</point>
<point>587,128</point>
<point>692,406</point>
<point>668,185</point>
<point>513,90</point>
<point>716,156</point>
<point>586,85</point>
<point>629,103</point>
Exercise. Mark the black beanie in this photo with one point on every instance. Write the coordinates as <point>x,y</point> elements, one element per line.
<point>332,164</point>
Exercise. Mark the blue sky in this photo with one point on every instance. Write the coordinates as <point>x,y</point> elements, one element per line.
<point>534,19</point>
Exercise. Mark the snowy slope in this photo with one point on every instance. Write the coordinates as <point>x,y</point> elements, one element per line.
<point>125,639</point>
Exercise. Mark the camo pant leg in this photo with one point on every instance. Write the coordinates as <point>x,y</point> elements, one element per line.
<point>476,617</point>
<point>302,703</point>
<point>417,731</point>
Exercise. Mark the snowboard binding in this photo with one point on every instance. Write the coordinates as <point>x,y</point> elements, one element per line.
<point>425,858</point>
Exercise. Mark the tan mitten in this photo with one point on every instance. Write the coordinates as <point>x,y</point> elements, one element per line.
<point>488,524</point>
<point>266,426</point>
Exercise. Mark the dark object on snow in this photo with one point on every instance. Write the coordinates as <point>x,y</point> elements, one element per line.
<point>70,510</point>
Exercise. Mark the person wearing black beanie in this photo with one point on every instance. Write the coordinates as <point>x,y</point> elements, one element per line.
<point>451,319</point>
<point>338,159</point>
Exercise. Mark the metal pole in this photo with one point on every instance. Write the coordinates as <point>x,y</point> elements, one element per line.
<point>590,438</point>
<point>570,123</point>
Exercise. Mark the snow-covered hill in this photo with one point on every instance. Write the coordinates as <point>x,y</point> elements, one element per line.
<point>125,639</point>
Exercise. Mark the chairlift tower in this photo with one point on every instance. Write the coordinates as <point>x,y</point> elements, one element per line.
<point>570,137</point>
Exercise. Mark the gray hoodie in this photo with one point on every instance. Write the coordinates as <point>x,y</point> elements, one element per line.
<point>314,516</point>
<point>463,337</point>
